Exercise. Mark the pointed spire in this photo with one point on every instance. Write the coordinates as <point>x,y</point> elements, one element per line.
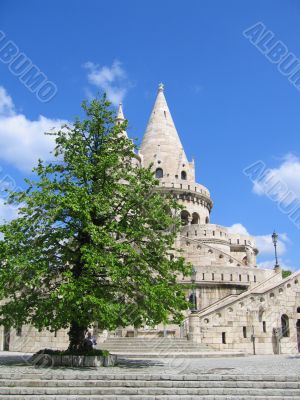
<point>161,144</point>
<point>120,115</point>
<point>120,118</point>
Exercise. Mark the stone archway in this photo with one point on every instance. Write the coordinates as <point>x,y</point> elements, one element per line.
<point>195,219</point>
<point>185,215</point>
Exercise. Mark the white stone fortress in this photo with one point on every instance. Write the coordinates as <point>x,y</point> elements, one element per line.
<point>225,262</point>
<point>236,306</point>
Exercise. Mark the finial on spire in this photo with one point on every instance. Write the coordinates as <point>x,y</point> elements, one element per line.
<point>161,87</point>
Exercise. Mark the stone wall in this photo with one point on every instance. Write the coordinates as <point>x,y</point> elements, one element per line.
<point>31,340</point>
<point>232,324</point>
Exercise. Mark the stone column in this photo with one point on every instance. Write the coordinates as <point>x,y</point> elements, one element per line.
<point>194,328</point>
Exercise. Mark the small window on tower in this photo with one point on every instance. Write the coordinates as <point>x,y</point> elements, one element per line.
<point>159,173</point>
<point>183,175</point>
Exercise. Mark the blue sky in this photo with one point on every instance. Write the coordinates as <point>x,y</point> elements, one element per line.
<point>231,105</point>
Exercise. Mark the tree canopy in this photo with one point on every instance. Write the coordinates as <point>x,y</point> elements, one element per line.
<point>94,237</point>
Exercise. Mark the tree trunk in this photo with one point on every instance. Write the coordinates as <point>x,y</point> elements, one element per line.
<point>76,336</point>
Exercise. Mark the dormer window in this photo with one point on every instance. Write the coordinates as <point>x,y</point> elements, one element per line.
<point>159,173</point>
<point>183,175</point>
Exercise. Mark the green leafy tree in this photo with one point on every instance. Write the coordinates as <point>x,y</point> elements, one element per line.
<point>286,273</point>
<point>93,238</point>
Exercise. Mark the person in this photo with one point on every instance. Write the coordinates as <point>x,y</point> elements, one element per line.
<point>90,341</point>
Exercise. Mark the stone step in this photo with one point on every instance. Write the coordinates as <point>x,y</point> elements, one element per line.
<point>155,343</point>
<point>124,340</point>
<point>178,339</point>
<point>166,346</point>
<point>182,355</point>
<point>152,346</point>
<point>94,385</point>
<point>43,383</point>
<point>146,391</point>
<point>151,343</point>
<point>139,397</point>
<point>101,375</point>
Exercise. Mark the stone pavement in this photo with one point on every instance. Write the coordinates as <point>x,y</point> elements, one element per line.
<point>261,364</point>
<point>245,378</point>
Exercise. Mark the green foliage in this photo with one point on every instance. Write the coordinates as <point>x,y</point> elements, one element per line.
<point>286,273</point>
<point>93,238</point>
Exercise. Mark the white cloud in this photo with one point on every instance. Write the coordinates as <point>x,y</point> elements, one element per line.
<point>266,247</point>
<point>6,103</point>
<point>22,141</point>
<point>238,228</point>
<point>263,242</point>
<point>269,264</point>
<point>277,182</point>
<point>7,212</point>
<point>112,80</point>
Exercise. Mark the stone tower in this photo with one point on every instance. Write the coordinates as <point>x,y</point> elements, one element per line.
<point>225,263</point>
<point>161,146</point>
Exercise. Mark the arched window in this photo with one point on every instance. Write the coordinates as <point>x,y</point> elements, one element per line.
<point>207,220</point>
<point>285,325</point>
<point>298,309</point>
<point>183,175</point>
<point>195,219</point>
<point>159,173</point>
<point>184,217</point>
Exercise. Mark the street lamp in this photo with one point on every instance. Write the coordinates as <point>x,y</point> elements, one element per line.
<point>275,240</point>
<point>193,279</point>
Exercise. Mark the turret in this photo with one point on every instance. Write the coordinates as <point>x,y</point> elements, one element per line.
<point>120,118</point>
<point>161,145</point>
<point>162,148</point>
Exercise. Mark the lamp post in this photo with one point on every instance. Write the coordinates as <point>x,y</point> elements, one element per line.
<point>193,279</point>
<point>275,240</point>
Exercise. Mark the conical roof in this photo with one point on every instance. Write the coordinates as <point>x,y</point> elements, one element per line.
<point>161,144</point>
<point>120,115</point>
<point>120,118</point>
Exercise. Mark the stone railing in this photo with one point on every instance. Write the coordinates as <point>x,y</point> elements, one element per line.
<point>194,187</point>
<point>227,257</point>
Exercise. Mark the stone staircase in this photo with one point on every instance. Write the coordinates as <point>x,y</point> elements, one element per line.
<point>80,385</point>
<point>159,347</point>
